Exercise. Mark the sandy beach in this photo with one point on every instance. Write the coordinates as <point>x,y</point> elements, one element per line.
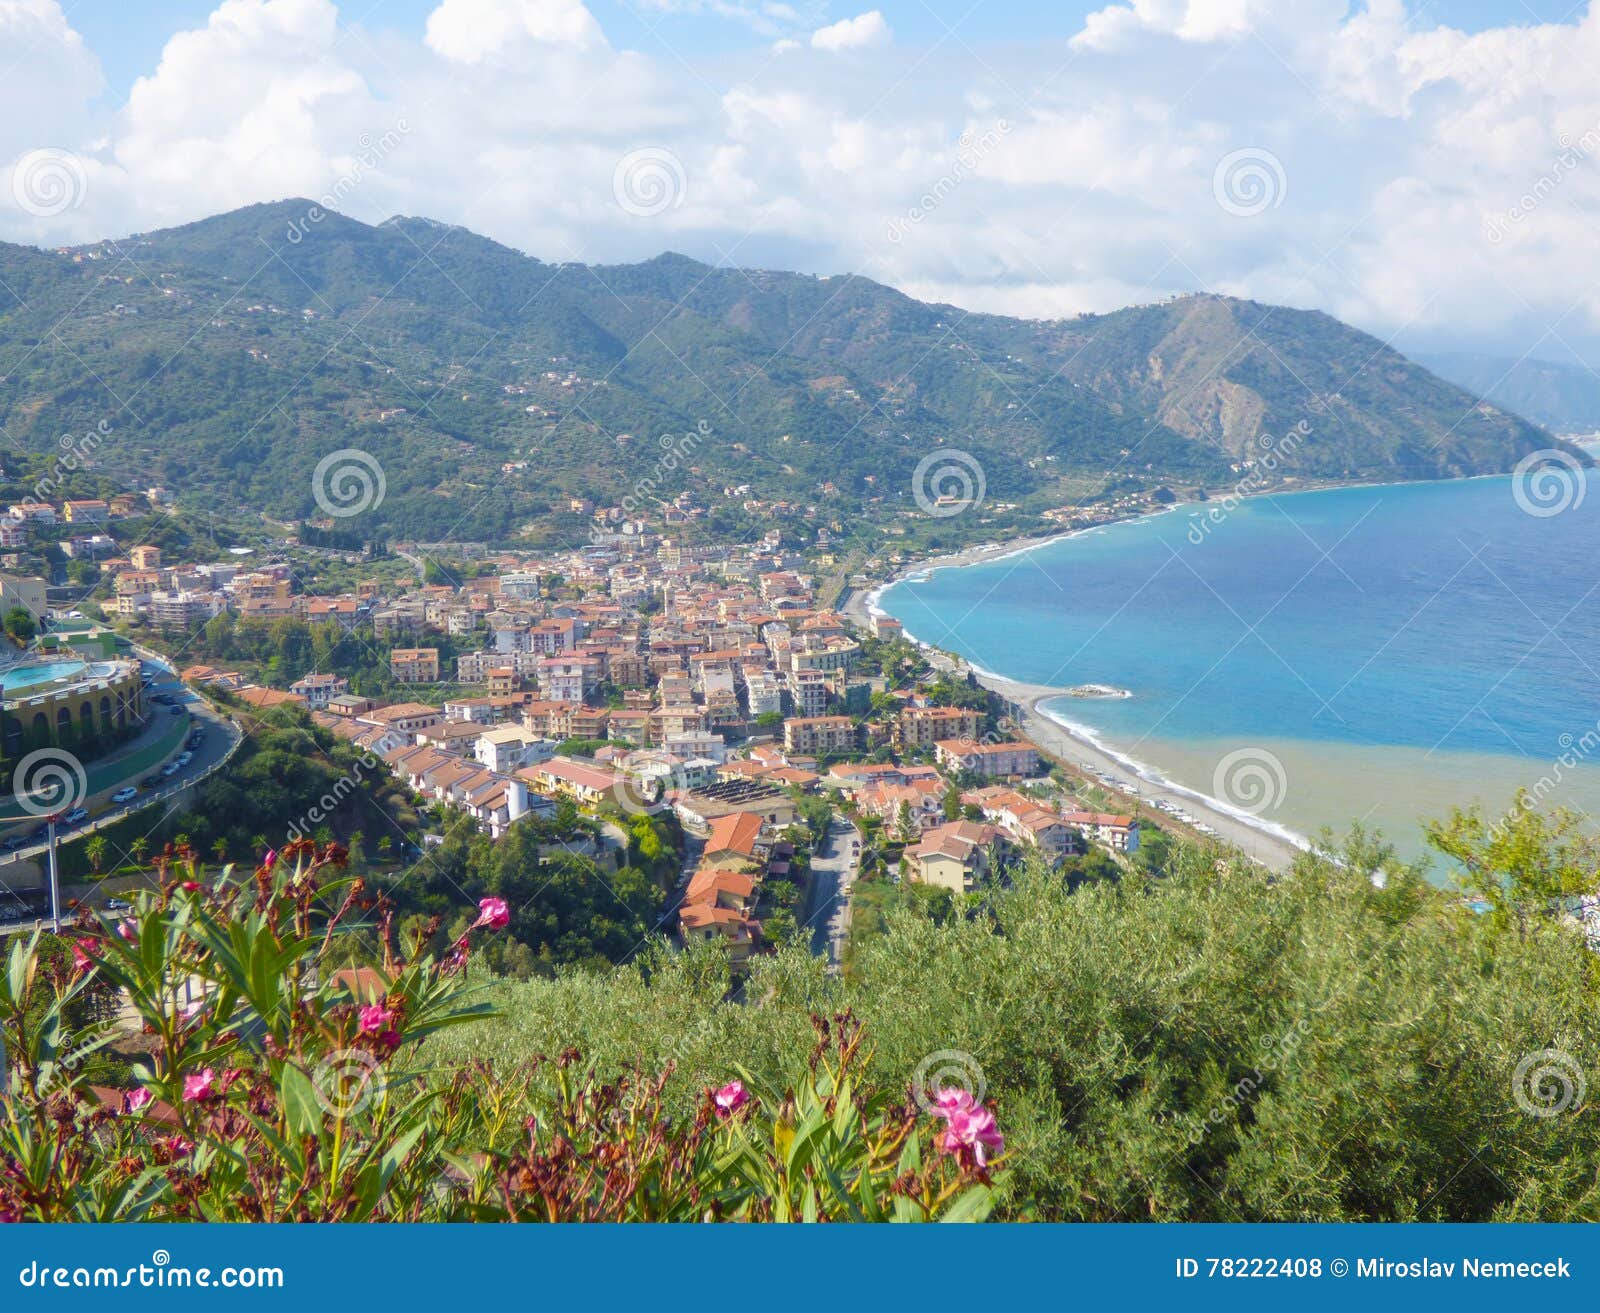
<point>1074,750</point>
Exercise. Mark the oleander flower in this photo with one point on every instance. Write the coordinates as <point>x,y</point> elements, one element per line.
<point>949,1101</point>
<point>971,1131</point>
<point>200,1086</point>
<point>268,861</point>
<point>375,1018</point>
<point>730,1098</point>
<point>81,960</point>
<point>128,930</point>
<point>134,1100</point>
<point>493,913</point>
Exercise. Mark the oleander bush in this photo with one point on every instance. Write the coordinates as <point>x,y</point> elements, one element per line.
<point>269,1085</point>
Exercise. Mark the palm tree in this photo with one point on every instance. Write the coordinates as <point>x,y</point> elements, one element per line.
<point>95,850</point>
<point>219,849</point>
<point>136,849</point>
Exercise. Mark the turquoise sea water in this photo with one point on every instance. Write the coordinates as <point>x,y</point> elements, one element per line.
<point>1394,649</point>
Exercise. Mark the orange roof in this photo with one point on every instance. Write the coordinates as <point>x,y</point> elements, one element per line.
<point>267,697</point>
<point>708,882</point>
<point>736,832</point>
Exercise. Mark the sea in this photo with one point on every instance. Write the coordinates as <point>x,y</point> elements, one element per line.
<point>1370,656</point>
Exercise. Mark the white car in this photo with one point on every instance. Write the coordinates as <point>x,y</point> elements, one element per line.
<point>127,794</point>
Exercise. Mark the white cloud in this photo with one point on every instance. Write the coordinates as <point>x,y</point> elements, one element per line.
<point>859,33</point>
<point>470,31</point>
<point>1438,183</point>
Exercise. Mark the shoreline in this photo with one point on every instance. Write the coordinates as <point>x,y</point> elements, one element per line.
<point>1073,746</point>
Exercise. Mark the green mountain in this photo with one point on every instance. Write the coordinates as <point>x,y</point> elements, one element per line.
<point>229,356</point>
<point>1563,396</point>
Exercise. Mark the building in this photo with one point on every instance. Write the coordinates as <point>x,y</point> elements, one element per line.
<point>991,760</point>
<point>25,591</point>
<point>810,736</point>
<point>565,778</point>
<point>1114,831</point>
<point>509,748</point>
<point>415,665</point>
<point>955,856</point>
<point>319,690</point>
<point>145,557</point>
<point>406,717</point>
<point>922,727</point>
<point>887,627</point>
<point>91,510</point>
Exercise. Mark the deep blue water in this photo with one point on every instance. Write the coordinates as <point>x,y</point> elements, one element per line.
<point>1437,616</point>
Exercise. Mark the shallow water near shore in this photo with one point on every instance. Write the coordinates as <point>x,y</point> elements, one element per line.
<point>1373,654</point>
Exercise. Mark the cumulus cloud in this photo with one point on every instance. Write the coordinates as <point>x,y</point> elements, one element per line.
<point>858,33</point>
<point>470,31</point>
<point>1428,182</point>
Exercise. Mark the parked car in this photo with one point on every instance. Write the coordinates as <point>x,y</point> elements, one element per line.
<point>150,781</point>
<point>14,842</point>
<point>127,794</point>
<point>169,770</point>
<point>184,758</point>
<point>118,905</point>
<point>76,816</point>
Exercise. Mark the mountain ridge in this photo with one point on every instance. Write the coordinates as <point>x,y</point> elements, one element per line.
<point>235,351</point>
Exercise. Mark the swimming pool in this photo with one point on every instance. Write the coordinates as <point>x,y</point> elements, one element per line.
<point>22,677</point>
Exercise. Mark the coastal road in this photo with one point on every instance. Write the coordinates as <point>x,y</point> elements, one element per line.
<point>834,863</point>
<point>221,738</point>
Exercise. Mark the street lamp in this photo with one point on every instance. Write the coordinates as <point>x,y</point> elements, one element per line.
<point>55,875</point>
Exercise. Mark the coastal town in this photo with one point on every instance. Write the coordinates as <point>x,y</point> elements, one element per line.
<point>638,673</point>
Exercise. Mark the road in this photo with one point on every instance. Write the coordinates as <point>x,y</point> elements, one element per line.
<point>834,864</point>
<point>221,738</point>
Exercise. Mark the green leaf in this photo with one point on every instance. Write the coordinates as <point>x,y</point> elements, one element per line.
<point>301,1107</point>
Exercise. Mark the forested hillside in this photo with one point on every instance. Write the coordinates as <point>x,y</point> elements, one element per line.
<point>230,355</point>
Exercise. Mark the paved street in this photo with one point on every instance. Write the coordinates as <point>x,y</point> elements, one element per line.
<point>833,875</point>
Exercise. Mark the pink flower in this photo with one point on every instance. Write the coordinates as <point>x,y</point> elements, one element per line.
<point>375,1018</point>
<point>269,859</point>
<point>81,961</point>
<point>128,930</point>
<point>493,913</point>
<point>200,1086</point>
<point>730,1098</point>
<point>177,1146</point>
<point>971,1130</point>
<point>948,1102</point>
<point>133,1100</point>
<point>189,886</point>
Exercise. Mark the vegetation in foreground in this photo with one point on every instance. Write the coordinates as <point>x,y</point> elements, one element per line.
<point>1205,1044</point>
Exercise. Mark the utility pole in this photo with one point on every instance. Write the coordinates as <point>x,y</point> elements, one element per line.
<point>55,875</point>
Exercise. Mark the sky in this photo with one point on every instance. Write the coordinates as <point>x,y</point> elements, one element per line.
<point>1426,171</point>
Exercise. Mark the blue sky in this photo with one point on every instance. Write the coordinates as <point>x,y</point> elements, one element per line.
<point>1428,170</point>
<point>128,37</point>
